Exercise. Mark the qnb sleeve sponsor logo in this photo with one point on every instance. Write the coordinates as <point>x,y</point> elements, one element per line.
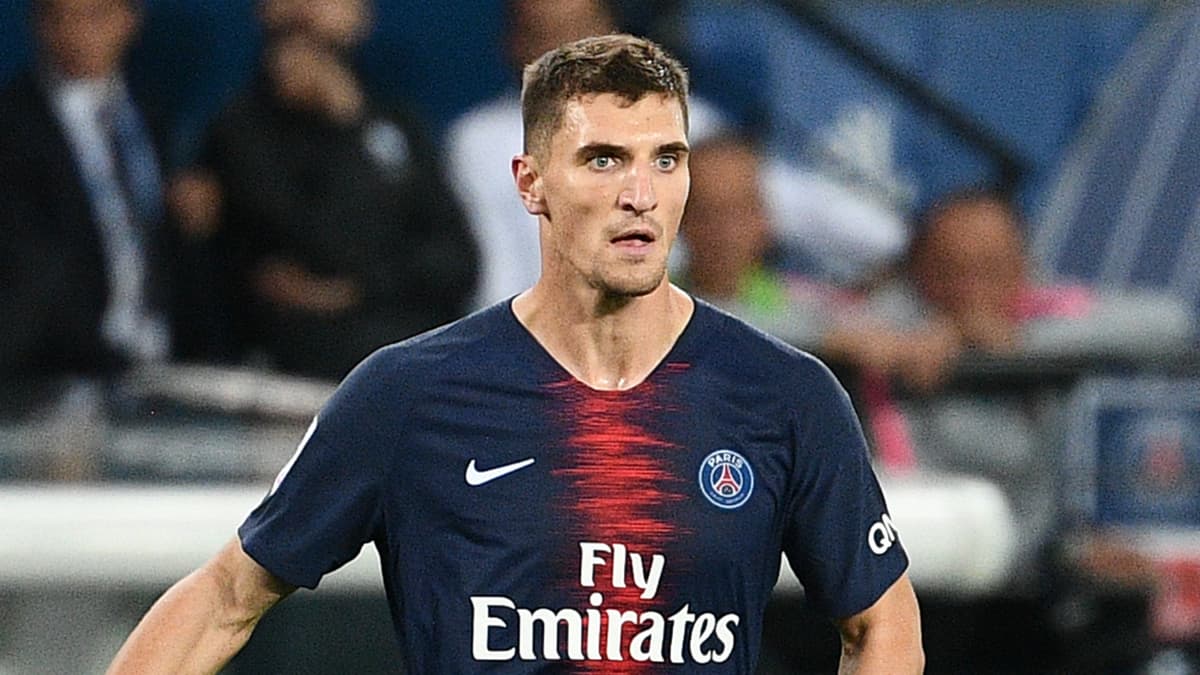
<point>599,633</point>
<point>881,535</point>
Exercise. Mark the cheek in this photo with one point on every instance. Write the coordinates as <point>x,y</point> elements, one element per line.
<point>675,192</point>
<point>569,197</point>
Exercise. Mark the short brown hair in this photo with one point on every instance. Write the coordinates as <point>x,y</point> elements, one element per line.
<point>625,65</point>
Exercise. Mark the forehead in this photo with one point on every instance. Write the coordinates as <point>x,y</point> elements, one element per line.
<point>973,220</point>
<point>611,119</point>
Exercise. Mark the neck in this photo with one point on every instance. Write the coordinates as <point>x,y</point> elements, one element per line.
<point>604,342</point>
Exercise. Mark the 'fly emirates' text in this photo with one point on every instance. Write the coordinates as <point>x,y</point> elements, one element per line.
<point>597,633</point>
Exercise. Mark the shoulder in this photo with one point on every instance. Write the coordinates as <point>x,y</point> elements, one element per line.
<point>486,117</point>
<point>736,345</point>
<point>21,101</point>
<point>477,337</point>
<point>493,128</point>
<point>243,121</point>
<point>247,110</point>
<point>748,363</point>
<point>771,375</point>
<point>380,391</point>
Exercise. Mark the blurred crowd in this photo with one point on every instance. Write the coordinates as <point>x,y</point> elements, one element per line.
<point>318,222</point>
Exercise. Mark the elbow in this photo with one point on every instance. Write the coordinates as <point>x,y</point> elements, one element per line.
<point>889,646</point>
<point>896,658</point>
<point>913,660</point>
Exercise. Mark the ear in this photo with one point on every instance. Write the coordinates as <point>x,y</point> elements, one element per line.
<point>529,184</point>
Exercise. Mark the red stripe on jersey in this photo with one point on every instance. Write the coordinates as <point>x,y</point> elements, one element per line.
<point>620,488</point>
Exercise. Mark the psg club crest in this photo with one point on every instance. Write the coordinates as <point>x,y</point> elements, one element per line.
<point>726,479</point>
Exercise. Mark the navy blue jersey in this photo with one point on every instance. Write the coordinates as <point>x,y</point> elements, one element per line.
<point>528,522</point>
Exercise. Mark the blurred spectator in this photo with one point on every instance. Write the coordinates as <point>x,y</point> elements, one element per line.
<point>87,280</point>
<point>482,142</point>
<point>342,231</point>
<point>729,240</point>
<point>94,281</point>
<point>967,285</point>
<point>735,239</point>
<point>967,289</point>
<point>827,230</point>
<point>726,230</point>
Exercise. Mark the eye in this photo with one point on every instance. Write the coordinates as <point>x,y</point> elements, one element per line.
<point>602,162</point>
<point>666,162</point>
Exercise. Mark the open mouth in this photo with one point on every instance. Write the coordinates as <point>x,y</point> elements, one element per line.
<point>634,237</point>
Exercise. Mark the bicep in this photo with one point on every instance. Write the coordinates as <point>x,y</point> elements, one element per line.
<point>246,583</point>
<point>329,500</point>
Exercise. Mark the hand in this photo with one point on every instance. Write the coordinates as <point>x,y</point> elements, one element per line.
<point>988,328</point>
<point>921,358</point>
<point>928,355</point>
<point>312,77</point>
<point>194,198</point>
<point>865,344</point>
<point>289,285</point>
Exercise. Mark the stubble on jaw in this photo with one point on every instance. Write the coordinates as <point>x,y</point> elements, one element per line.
<point>619,280</point>
<point>629,286</point>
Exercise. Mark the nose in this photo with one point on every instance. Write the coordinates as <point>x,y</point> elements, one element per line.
<point>637,195</point>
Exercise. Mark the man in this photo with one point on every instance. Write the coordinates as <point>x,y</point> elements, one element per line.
<point>480,142</point>
<point>342,232</point>
<point>635,461</point>
<point>80,201</point>
<point>733,248</point>
<point>968,285</point>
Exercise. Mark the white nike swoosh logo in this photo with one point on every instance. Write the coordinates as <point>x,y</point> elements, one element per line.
<point>477,477</point>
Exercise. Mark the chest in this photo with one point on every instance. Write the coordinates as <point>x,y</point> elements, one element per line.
<point>588,489</point>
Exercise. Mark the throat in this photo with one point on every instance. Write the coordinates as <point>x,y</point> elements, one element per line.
<point>608,351</point>
<point>611,365</point>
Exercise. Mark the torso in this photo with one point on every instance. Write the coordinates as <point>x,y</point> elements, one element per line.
<point>647,528</point>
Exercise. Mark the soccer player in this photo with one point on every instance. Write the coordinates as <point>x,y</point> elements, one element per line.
<point>599,475</point>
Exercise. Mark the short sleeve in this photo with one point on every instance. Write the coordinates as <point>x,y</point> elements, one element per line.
<point>839,536</point>
<point>326,502</point>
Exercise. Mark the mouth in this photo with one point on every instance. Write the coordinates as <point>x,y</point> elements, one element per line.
<point>634,237</point>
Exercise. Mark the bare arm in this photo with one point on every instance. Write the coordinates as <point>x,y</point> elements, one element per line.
<point>203,620</point>
<point>885,637</point>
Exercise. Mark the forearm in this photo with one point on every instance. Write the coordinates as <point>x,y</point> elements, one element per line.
<point>202,621</point>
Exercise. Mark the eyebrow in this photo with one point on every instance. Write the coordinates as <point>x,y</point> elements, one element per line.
<point>676,148</point>
<point>591,150</point>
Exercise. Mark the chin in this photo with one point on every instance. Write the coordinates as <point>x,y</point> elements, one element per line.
<point>630,288</point>
<point>628,281</point>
